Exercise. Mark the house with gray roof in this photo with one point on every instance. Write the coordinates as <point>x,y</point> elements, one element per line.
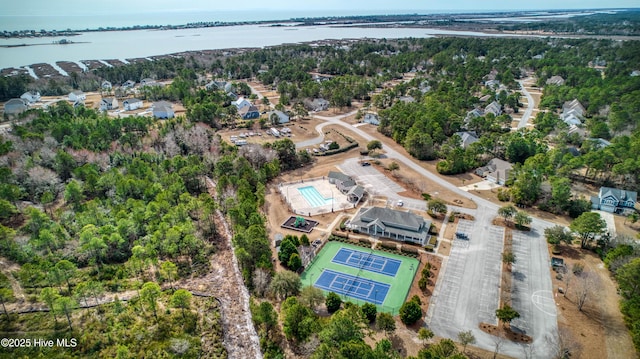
<point>496,171</point>
<point>15,106</point>
<point>355,194</point>
<point>281,116</point>
<point>493,108</point>
<point>555,80</point>
<point>467,138</point>
<point>614,200</point>
<point>163,109</point>
<point>392,224</point>
<point>371,118</point>
<point>316,104</point>
<point>108,103</point>
<point>336,177</point>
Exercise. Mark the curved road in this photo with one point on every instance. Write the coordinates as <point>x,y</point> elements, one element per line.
<point>530,104</point>
<point>468,276</point>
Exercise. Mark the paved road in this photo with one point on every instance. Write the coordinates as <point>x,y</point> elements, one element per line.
<point>530,104</point>
<point>319,127</point>
<point>468,314</point>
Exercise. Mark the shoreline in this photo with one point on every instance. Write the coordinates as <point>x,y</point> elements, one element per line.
<point>48,70</point>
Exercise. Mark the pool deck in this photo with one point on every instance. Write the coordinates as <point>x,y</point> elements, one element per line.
<point>299,205</point>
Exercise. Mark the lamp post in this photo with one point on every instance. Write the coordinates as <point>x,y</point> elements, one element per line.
<point>332,200</point>
<point>310,279</point>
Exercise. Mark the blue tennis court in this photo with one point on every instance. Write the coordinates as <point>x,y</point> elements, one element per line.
<point>358,288</point>
<point>367,261</point>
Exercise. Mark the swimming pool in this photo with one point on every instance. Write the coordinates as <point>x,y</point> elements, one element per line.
<point>313,197</point>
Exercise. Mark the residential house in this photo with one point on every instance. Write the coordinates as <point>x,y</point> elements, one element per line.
<point>132,104</point>
<point>555,80</point>
<point>577,129</point>
<point>485,98</point>
<point>371,118</point>
<point>106,85</point>
<point>249,113</point>
<point>232,96</point>
<point>317,104</point>
<point>147,82</point>
<point>281,117</point>
<point>493,108</point>
<point>31,96</point>
<point>15,106</point>
<point>574,107</point>
<point>467,138</point>
<point>241,103</point>
<point>406,99</point>
<point>77,96</point>
<point>492,83</point>
<point>219,85</point>
<point>108,103</point>
<point>128,84</point>
<point>496,171</point>
<point>571,119</point>
<point>599,142</point>
<point>163,109</point>
<point>615,200</point>
<point>392,224</point>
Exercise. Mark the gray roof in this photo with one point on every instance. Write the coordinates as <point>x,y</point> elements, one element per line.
<point>467,138</point>
<point>357,191</point>
<point>131,100</point>
<point>393,221</point>
<point>619,194</point>
<point>339,176</point>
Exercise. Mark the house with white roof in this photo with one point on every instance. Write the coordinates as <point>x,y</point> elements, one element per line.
<point>31,96</point>
<point>241,103</point>
<point>106,85</point>
<point>77,96</point>
<point>131,104</point>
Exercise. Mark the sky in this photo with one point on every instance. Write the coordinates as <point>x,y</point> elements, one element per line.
<point>82,7</point>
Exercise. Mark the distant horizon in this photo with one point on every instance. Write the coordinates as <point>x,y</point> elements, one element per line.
<point>183,16</point>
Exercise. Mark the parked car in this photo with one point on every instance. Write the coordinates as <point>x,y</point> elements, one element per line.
<point>400,203</point>
<point>365,164</point>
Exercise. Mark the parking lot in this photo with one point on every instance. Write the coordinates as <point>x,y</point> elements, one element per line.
<point>531,284</point>
<point>468,292</point>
